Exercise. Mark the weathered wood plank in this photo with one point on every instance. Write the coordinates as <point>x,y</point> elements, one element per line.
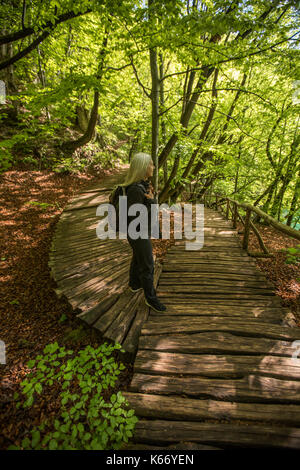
<point>230,277</point>
<point>108,317</point>
<point>228,435</point>
<point>251,388</point>
<point>167,325</point>
<point>93,314</point>
<point>219,289</point>
<point>90,299</point>
<point>212,365</point>
<point>209,269</point>
<point>255,297</point>
<point>216,343</point>
<point>272,316</point>
<point>88,286</point>
<point>61,268</point>
<point>105,271</point>
<point>225,301</point>
<point>191,409</point>
<point>214,282</point>
<point>121,324</point>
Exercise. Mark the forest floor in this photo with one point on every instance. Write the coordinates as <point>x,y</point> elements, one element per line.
<point>31,314</point>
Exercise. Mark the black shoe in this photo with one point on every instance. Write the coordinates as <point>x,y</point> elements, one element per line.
<point>156,305</point>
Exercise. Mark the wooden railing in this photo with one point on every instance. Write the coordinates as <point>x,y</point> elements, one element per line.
<point>217,201</point>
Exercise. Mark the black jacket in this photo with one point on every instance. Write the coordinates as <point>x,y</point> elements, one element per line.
<point>136,194</point>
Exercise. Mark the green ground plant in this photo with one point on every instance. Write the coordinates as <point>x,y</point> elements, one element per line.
<point>92,416</point>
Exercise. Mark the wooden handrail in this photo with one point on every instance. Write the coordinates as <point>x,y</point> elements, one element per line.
<point>248,224</point>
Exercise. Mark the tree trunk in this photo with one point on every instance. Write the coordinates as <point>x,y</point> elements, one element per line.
<point>296,195</point>
<point>70,147</point>
<point>162,121</point>
<point>155,108</point>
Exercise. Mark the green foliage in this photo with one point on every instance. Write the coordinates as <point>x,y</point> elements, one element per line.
<point>43,205</point>
<point>91,417</point>
<point>6,150</point>
<point>293,255</point>
<point>107,50</point>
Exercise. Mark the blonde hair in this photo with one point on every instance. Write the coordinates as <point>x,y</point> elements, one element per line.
<point>138,168</point>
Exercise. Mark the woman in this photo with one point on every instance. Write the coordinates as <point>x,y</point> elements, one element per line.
<point>139,190</point>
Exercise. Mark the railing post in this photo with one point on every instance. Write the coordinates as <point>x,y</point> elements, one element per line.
<point>216,202</point>
<point>227,210</point>
<point>234,218</point>
<point>246,229</point>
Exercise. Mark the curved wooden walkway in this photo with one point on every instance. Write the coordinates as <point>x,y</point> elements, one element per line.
<point>214,371</point>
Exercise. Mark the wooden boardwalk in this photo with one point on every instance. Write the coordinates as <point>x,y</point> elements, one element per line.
<point>213,371</point>
<point>216,370</point>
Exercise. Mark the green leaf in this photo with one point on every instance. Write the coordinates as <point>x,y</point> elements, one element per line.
<point>25,443</point>
<point>28,402</point>
<point>113,398</point>
<point>38,388</point>
<point>53,444</point>
<point>35,438</point>
<point>30,364</point>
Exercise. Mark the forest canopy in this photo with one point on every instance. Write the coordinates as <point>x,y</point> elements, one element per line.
<point>211,89</point>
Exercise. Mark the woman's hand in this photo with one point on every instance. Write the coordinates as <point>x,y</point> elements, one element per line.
<point>150,194</point>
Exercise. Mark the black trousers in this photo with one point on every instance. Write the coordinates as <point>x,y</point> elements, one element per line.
<point>142,266</point>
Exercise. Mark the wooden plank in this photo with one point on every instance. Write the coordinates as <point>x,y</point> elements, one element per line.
<point>254,297</point>
<point>77,240</point>
<point>208,289</point>
<point>275,316</point>
<point>268,315</point>
<point>86,200</point>
<point>191,409</point>
<point>228,435</point>
<point>207,257</point>
<point>97,268</point>
<point>81,249</point>
<point>121,324</point>
<point>65,268</point>
<point>100,264</point>
<point>107,318</point>
<point>251,388</point>
<point>90,299</point>
<point>90,316</point>
<point>173,446</point>
<point>225,300</point>
<point>210,249</point>
<point>212,365</point>
<point>258,277</point>
<point>171,325</point>
<point>193,281</point>
<point>215,343</point>
<point>88,286</point>
<point>209,269</point>
<point>87,302</point>
<point>105,271</point>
